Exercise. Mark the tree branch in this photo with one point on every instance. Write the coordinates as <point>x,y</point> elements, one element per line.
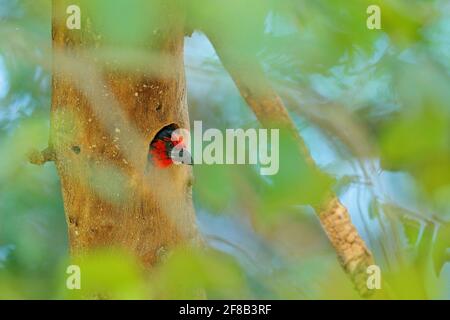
<point>41,157</point>
<point>268,107</point>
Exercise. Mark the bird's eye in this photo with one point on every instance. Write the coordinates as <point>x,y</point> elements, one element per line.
<point>161,146</point>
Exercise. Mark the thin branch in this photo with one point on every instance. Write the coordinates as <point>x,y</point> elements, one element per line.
<point>41,157</point>
<point>268,107</point>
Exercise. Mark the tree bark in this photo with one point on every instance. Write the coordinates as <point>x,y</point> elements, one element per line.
<point>103,118</point>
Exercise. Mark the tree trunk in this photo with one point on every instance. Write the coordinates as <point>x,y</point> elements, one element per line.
<point>103,118</point>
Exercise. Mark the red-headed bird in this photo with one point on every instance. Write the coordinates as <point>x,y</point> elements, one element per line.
<point>161,147</point>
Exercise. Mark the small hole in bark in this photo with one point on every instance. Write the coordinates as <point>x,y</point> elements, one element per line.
<point>159,106</point>
<point>76,149</point>
<point>190,182</point>
<point>161,146</point>
<point>73,220</point>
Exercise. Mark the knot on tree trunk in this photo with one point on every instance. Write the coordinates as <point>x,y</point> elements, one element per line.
<point>41,157</point>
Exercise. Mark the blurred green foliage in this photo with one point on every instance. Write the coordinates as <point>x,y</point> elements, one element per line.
<point>105,274</point>
<point>393,82</point>
<point>190,274</point>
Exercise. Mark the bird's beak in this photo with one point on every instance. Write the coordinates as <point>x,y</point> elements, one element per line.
<point>182,156</point>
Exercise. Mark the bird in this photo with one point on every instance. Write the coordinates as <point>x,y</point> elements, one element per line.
<point>162,146</point>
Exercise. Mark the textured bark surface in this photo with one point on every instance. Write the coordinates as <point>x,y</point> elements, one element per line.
<point>350,247</point>
<point>103,119</point>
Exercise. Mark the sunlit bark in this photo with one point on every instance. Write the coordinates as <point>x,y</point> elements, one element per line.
<point>103,119</point>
